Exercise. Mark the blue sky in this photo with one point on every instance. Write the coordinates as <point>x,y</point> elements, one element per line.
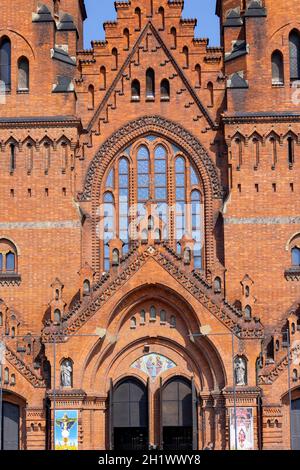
<point>102,10</point>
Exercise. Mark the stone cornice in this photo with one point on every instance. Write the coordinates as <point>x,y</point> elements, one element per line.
<point>246,118</point>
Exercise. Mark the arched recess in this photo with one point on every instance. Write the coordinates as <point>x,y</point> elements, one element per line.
<point>111,359</point>
<point>291,404</point>
<point>175,134</point>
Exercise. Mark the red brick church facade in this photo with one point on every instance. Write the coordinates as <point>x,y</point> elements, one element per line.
<point>149,226</point>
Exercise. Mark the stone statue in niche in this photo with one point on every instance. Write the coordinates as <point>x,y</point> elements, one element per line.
<point>240,371</point>
<point>66,373</point>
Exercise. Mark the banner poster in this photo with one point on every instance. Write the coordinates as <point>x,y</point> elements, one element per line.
<point>66,430</point>
<point>244,427</point>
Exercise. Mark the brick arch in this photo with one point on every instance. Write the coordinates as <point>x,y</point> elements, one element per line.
<point>102,357</point>
<point>157,292</point>
<point>184,140</point>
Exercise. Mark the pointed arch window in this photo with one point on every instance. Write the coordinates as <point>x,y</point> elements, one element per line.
<point>5,62</point>
<point>150,84</point>
<point>294,43</point>
<point>291,150</point>
<point>23,74</point>
<point>135,90</point>
<point>277,68</point>
<point>165,90</point>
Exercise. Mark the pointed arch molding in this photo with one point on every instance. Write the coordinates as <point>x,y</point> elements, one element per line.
<point>163,127</point>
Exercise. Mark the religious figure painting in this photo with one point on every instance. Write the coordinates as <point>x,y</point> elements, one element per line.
<point>66,430</point>
<point>241,423</point>
<point>153,364</point>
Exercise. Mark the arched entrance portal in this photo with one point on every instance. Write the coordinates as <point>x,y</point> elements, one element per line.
<point>179,415</point>
<point>296,424</point>
<point>10,425</point>
<point>129,415</point>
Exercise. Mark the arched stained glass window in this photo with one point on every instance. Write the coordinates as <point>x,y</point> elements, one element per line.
<point>152,313</point>
<point>143,176</point>
<point>8,256</point>
<point>180,199</point>
<point>294,41</point>
<point>23,74</point>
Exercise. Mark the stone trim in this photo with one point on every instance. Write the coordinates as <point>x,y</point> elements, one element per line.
<point>47,121</point>
<point>149,26</point>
